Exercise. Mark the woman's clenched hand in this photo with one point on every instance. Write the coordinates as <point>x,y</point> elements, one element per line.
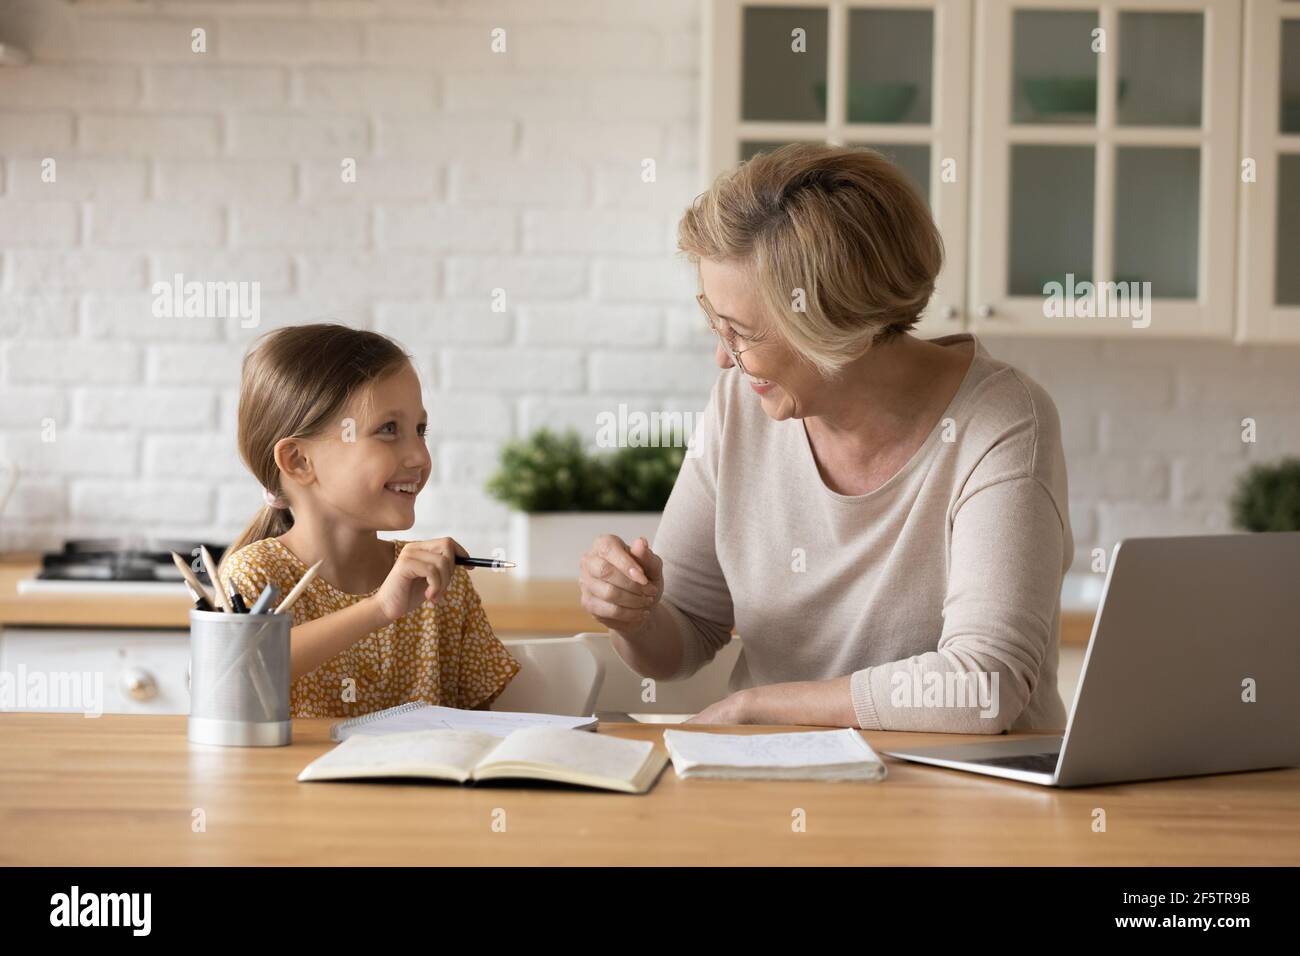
<point>620,584</point>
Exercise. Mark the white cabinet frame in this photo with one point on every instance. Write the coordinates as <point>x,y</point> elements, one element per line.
<point>1210,314</point>
<point>1261,319</point>
<point>947,133</point>
<point>972,62</point>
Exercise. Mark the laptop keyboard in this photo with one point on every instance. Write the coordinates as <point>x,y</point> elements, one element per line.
<point>1035,763</point>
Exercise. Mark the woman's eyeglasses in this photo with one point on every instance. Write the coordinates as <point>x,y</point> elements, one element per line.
<point>725,333</point>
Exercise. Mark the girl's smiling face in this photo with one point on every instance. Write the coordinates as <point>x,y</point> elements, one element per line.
<point>369,474</point>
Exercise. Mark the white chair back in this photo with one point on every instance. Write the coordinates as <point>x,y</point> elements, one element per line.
<point>622,688</point>
<point>560,675</point>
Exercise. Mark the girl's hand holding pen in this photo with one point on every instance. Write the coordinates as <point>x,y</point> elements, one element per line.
<point>421,573</point>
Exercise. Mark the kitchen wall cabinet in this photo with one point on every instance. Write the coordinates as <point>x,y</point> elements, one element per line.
<point>1105,152</point>
<point>1269,294</point>
<point>1088,142</point>
<point>890,74</point>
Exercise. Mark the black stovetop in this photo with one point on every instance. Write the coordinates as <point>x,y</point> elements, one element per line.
<point>123,559</point>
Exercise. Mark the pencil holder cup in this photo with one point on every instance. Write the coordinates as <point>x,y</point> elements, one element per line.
<point>239,679</point>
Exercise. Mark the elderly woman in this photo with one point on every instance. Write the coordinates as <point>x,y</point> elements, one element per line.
<point>881,518</point>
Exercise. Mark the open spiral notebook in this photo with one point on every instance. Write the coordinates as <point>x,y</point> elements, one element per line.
<point>417,715</point>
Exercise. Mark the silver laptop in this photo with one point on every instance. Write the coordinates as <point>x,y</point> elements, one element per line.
<point>1190,629</point>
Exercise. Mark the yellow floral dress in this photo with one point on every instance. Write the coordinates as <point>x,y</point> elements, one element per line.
<point>443,653</point>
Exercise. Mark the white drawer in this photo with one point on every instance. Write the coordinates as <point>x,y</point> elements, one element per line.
<point>113,671</point>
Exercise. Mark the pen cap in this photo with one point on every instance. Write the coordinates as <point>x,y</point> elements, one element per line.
<point>239,679</point>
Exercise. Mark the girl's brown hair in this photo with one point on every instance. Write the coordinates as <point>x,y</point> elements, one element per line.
<point>297,382</point>
<point>842,224</point>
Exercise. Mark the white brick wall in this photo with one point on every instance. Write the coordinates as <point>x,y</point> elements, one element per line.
<point>1153,432</point>
<point>475,171</point>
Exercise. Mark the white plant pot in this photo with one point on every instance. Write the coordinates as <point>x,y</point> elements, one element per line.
<point>548,545</point>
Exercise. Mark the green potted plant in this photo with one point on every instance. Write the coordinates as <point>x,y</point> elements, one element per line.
<point>1267,497</point>
<point>562,497</point>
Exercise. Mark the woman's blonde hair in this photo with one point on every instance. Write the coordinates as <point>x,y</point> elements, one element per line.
<point>842,224</point>
<point>296,382</point>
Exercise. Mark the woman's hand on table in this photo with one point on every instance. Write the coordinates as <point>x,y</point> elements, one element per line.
<point>733,709</point>
<point>817,703</point>
<point>620,584</point>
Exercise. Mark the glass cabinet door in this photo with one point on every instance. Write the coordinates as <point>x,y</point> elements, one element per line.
<point>1286,273</point>
<point>783,64</point>
<point>1161,62</point>
<point>890,65</point>
<point>1269,300</point>
<point>1051,218</point>
<point>890,82</point>
<point>1104,176</point>
<point>1055,74</point>
<point>1157,188</point>
<point>891,75</point>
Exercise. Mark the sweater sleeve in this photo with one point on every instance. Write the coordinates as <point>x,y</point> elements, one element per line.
<point>696,595</point>
<point>1000,605</point>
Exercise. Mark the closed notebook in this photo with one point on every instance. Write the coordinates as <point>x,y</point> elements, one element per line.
<point>810,755</point>
<point>417,715</point>
<point>534,753</point>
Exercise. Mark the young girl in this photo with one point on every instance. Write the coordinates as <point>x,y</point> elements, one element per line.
<point>332,424</point>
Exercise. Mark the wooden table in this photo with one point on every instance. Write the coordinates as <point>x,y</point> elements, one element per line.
<point>122,790</point>
<point>514,606</point>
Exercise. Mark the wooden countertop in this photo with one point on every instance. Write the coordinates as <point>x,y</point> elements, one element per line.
<point>513,605</point>
<point>122,790</point>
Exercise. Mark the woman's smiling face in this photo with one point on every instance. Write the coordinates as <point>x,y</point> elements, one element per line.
<point>371,476</point>
<point>784,384</point>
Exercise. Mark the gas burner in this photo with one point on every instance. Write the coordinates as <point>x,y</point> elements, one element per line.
<point>123,559</point>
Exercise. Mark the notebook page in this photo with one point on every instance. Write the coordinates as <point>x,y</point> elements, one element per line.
<point>502,723</point>
<point>430,717</point>
<point>596,754</point>
<point>362,753</point>
<point>796,750</point>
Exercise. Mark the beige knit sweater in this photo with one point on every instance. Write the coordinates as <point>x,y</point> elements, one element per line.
<point>939,592</point>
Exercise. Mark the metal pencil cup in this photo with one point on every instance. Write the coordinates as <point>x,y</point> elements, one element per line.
<point>239,679</point>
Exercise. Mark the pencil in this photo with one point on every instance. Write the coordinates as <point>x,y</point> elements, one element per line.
<point>192,580</point>
<point>216,581</point>
<point>299,588</point>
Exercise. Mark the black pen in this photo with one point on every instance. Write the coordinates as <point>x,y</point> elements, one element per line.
<point>483,562</point>
<point>201,603</point>
<point>237,602</point>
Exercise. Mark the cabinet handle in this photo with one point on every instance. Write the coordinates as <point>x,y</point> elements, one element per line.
<point>139,684</point>
<point>985,311</point>
<point>950,313</point>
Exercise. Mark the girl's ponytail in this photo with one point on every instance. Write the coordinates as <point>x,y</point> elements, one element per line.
<point>267,523</point>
